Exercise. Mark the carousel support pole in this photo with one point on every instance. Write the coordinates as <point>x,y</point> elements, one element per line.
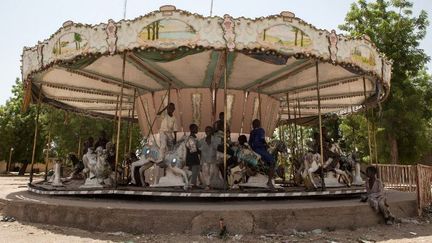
<point>290,136</point>
<point>259,105</point>
<point>295,130</point>
<point>300,128</point>
<point>79,146</point>
<point>225,122</point>
<point>374,130</point>
<point>320,123</point>
<point>35,133</point>
<point>47,155</point>
<point>132,125</point>
<point>130,132</point>
<point>115,118</point>
<point>367,121</point>
<point>119,119</point>
<point>125,147</point>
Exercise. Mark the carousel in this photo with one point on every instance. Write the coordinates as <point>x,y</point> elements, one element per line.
<point>278,69</point>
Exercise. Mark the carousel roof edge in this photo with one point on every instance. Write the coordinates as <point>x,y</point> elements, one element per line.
<point>229,25</point>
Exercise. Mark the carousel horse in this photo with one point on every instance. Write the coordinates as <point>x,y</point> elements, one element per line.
<point>311,165</point>
<point>78,167</point>
<point>252,165</point>
<point>174,161</point>
<point>334,164</point>
<point>97,167</point>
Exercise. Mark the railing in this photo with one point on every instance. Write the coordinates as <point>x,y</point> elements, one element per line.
<point>398,177</point>
<point>411,178</point>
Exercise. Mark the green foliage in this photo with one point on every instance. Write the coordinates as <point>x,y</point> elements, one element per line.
<point>66,130</point>
<point>406,113</point>
<point>17,128</point>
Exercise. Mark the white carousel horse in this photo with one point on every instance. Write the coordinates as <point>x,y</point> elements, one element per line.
<point>328,165</point>
<point>97,167</point>
<point>174,162</point>
<point>311,165</point>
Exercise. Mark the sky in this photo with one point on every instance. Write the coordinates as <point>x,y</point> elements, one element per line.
<point>25,22</point>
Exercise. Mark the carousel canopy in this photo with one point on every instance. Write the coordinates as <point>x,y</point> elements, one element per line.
<point>272,66</point>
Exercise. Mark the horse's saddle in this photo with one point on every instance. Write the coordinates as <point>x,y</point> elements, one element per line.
<point>248,156</point>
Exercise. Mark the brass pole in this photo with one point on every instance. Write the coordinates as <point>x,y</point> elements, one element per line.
<point>79,146</point>
<point>374,138</point>
<point>132,124</point>
<point>300,128</point>
<point>35,133</point>
<point>114,120</point>
<point>367,121</point>
<point>119,119</point>
<point>47,154</point>
<point>320,121</point>
<point>259,105</point>
<point>295,129</point>
<point>225,121</point>
<point>290,137</point>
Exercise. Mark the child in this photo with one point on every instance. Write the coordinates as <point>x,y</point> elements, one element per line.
<point>192,154</point>
<point>259,146</point>
<point>375,195</point>
<point>208,146</point>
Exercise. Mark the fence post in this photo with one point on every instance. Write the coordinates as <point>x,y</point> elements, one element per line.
<point>419,202</point>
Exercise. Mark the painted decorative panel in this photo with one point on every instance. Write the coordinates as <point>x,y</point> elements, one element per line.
<point>166,30</point>
<point>285,36</point>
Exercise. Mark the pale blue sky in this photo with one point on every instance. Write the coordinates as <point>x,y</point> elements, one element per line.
<point>24,22</point>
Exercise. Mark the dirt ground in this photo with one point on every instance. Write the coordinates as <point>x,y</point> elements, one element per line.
<point>410,230</point>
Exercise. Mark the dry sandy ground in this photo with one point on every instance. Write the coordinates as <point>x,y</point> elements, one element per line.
<point>411,230</point>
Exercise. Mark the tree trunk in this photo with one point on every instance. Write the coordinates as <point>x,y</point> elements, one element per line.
<point>394,156</point>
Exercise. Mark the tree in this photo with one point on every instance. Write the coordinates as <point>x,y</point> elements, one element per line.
<point>397,33</point>
<point>17,128</point>
<point>66,129</point>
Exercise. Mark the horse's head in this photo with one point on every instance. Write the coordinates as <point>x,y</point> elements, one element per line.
<point>150,152</point>
<point>277,146</point>
<point>177,156</point>
<point>335,148</point>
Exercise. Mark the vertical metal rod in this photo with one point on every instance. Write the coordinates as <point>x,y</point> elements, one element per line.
<point>115,119</point>
<point>119,119</point>
<point>47,154</point>
<point>319,113</point>
<point>132,124</point>
<point>374,138</point>
<point>300,128</point>
<point>125,146</point>
<point>225,121</point>
<point>211,8</point>
<point>295,129</point>
<point>290,137</point>
<point>259,105</point>
<point>367,121</point>
<point>35,133</point>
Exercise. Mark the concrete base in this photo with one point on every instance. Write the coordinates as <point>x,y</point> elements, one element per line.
<point>167,216</point>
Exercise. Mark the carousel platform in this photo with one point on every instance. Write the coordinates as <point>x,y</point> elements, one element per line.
<point>73,188</point>
<point>167,215</point>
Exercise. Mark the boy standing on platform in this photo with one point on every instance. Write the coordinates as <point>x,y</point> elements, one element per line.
<point>192,154</point>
